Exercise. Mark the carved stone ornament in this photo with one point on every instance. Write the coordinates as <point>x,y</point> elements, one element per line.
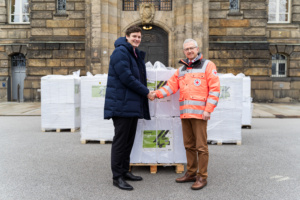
<point>147,11</point>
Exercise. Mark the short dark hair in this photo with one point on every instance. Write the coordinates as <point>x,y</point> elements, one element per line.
<point>133,29</point>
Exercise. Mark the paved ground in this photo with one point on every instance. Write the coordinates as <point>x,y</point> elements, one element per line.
<point>49,165</point>
<point>260,110</point>
<point>20,109</point>
<point>38,165</point>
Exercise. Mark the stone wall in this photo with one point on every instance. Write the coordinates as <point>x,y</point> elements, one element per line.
<point>51,58</point>
<point>3,12</point>
<point>238,40</point>
<point>280,89</point>
<point>57,42</point>
<point>13,39</point>
<point>83,37</point>
<point>244,41</point>
<point>48,25</point>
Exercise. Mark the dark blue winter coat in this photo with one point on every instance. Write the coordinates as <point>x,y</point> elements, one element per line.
<point>126,92</point>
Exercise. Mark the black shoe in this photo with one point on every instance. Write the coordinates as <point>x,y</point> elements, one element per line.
<point>131,177</point>
<point>121,183</point>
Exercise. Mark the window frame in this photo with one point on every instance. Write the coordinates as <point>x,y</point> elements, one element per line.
<point>234,10</point>
<point>277,62</point>
<point>61,12</point>
<point>21,13</point>
<point>136,4</point>
<point>289,13</point>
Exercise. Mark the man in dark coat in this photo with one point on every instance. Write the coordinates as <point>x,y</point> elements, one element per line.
<point>126,101</point>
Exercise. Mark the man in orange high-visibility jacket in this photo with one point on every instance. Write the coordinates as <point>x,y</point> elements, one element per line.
<point>199,94</point>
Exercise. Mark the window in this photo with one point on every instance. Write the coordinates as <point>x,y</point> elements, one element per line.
<point>279,11</point>
<point>165,5</point>
<point>61,6</point>
<point>234,5</point>
<point>279,64</point>
<point>19,11</point>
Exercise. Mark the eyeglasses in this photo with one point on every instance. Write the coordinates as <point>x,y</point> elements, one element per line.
<point>191,48</point>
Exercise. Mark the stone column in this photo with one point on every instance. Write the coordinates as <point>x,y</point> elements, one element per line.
<point>192,17</point>
<point>189,18</point>
<point>104,34</point>
<point>3,13</point>
<point>88,31</point>
<point>113,28</point>
<point>179,32</point>
<point>96,43</point>
<point>200,24</point>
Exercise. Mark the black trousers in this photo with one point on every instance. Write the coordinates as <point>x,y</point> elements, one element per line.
<point>125,128</point>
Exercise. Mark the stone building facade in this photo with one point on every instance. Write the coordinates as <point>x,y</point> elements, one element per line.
<point>247,39</point>
<point>255,37</point>
<point>52,43</point>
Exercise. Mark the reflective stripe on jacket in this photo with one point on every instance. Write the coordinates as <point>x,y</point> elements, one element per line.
<point>199,87</point>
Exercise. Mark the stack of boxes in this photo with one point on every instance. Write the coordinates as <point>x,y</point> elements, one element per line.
<point>247,101</point>
<point>159,140</point>
<point>225,123</point>
<point>93,125</point>
<point>60,102</point>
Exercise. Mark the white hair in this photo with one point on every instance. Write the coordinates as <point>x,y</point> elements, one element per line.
<point>190,40</point>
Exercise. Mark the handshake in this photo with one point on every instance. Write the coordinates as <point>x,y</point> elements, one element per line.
<point>151,96</point>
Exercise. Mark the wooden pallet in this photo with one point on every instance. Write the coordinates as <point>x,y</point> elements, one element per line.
<point>60,130</point>
<point>96,141</point>
<point>179,168</point>
<point>246,126</point>
<point>238,142</point>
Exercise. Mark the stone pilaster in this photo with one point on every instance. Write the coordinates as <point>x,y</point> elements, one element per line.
<point>3,13</point>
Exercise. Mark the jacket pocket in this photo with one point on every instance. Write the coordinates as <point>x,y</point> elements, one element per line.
<point>198,90</point>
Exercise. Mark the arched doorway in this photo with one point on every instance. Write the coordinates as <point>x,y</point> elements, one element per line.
<point>155,44</point>
<point>18,73</point>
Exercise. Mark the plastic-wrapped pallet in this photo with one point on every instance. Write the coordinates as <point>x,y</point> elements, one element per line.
<point>247,113</point>
<point>157,141</point>
<point>179,150</point>
<point>175,104</point>
<point>225,122</point>
<point>60,102</point>
<point>136,152</point>
<point>93,125</point>
<point>231,92</point>
<point>157,76</point>
<point>247,101</point>
<point>225,126</point>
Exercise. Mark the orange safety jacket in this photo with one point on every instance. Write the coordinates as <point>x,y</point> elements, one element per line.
<point>199,87</point>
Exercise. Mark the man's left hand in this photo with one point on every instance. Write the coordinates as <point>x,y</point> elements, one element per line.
<point>206,115</point>
<point>151,96</point>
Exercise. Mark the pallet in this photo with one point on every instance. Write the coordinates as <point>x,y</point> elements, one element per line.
<point>96,141</point>
<point>179,168</point>
<point>58,130</point>
<point>246,126</point>
<point>238,142</point>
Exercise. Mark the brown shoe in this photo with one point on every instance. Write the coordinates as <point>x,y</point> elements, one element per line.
<point>186,178</point>
<point>199,184</point>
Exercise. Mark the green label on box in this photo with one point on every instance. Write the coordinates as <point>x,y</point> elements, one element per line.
<point>225,92</point>
<point>151,85</point>
<point>159,84</point>
<point>98,91</point>
<point>155,85</point>
<point>76,89</point>
<point>77,111</point>
<point>157,139</point>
